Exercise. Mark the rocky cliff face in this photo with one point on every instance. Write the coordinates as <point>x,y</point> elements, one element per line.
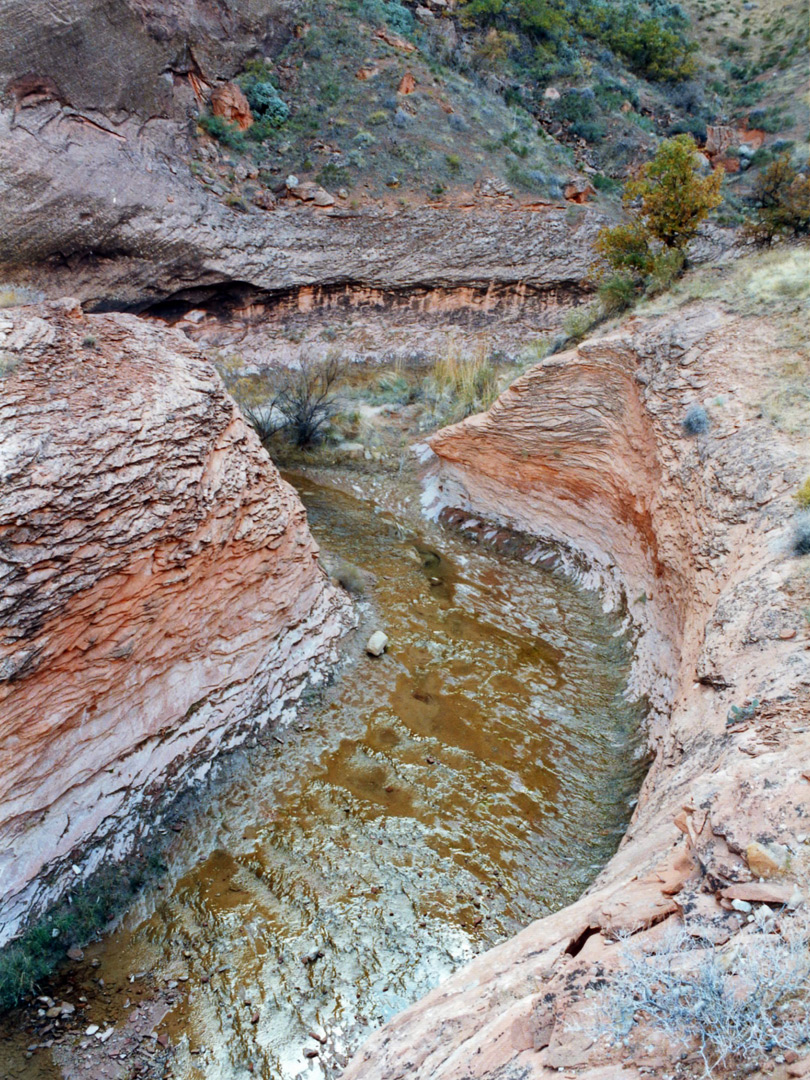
<point>98,109</point>
<point>161,594</point>
<point>114,214</point>
<point>589,451</point>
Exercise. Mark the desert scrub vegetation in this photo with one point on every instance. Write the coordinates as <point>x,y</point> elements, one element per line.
<point>269,109</point>
<point>645,254</point>
<point>650,38</point>
<point>461,384</point>
<point>297,403</point>
<point>696,420</point>
<point>730,1004</point>
<point>801,533</point>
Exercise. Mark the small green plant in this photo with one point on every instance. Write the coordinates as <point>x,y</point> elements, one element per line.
<point>739,714</point>
<point>223,131</point>
<point>89,342</point>
<point>803,495</point>
<point>72,922</point>
<point>801,533</point>
<point>453,162</point>
<point>696,421</point>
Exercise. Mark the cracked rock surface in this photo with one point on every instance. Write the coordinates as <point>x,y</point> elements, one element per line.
<point>588,450</point>
<point>160,588</point>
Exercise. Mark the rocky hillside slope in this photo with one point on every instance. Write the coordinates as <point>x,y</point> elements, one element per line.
<point>161,595</point>
<point>695,532</point>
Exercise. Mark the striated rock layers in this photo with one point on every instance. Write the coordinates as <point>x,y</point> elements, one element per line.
<point>588,450</point>
<point>98,109</point>
<point>116,217</point>
<point>160,588</point>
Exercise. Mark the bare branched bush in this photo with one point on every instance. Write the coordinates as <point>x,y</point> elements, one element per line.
<point>731,1004</point>
<point>265,421</point>
<point>306,398</point>
<point>298,402</point>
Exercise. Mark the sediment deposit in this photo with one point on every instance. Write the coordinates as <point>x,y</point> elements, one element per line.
<point>588,450</point>
<point>161,594</point>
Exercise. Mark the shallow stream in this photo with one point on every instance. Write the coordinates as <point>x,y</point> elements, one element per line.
<point>427,806</point>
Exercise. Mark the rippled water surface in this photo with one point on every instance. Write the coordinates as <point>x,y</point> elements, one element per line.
<point>429,805</point>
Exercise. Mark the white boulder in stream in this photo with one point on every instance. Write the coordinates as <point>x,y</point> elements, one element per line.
<point>377,643</point>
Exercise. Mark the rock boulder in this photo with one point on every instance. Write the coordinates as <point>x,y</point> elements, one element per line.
<point>161,594</point>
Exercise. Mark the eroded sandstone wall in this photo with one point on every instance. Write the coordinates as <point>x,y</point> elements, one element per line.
<point>589,451</point>
<point>159,588</point>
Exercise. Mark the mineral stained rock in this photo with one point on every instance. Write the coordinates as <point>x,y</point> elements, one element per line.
<point>587,450</point>
<point>161,594</point>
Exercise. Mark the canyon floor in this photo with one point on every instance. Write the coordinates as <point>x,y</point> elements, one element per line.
<point>691,537</point>
<point>589,534</point>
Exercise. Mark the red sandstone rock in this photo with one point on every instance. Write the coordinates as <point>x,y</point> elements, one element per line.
<point>395,40</point>
<point>230,103</point>
<point>587,449</point>
<point>160,591</point>
<point>407,84</point>
<point>579,191</point>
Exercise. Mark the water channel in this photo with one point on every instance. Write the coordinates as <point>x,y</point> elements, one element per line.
<point>427,806</point>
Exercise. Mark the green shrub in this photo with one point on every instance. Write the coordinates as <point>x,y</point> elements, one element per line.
<point>576,106</point>
<point>592,131</point>
<point>781,199</point>
<point>617,292</point>
<point>332,175</point>
<point>696,421</point>
<point>627,246</point>
<point>665,269</point>
<point>223,131</point>
<point>803,495</point>
<point>268,108</point>
<point>801,533</point>
<point>653,49</point>
<point>605,183</point>
<point>579,320</point>
<point>388,13</point>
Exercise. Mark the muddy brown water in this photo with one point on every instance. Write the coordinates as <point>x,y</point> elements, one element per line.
<point>426,807</point>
